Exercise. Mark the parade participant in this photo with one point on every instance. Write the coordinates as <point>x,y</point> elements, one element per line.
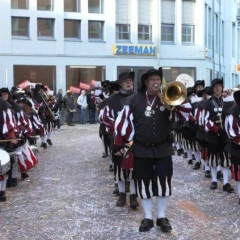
<point>114,105</point>
<point>49,118</point>
<point>146,121</point>
<point>7,128</point>
<point>201,134</point>
<point>39,98</point>
<point>232,126</point>
<point>108,89</point>
<point>70,107</point>
<point>82,105</point>
<point>214,115</point>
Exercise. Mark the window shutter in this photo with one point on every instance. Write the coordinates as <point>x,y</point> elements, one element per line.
<point>168,11</point>
<point>144,11</point>
<point>123,11</point>
<point>188,12</point>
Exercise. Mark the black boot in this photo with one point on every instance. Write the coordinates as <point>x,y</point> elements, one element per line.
<point>2,196</point>
<point>121,200</point>
<point>49,141</point>
<point>14,182</point>
<point>24,175</point>
<point>116,191</point>
<point>133,201</point>
<point>197,166</point>
<point>9,182</point>
<point>127,186</point>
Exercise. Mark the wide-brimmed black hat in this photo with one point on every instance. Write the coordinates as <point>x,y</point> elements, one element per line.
<point>5,90</point>
<point>208,90</point>
<point>124,75</point>
<point>199,82</point>
<point>190,91</point>
<point>216,81</point>
<point>150,72</point>
<point>23,99</point>
<point>236,96</point>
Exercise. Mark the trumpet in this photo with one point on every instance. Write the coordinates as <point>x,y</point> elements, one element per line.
<point>172,94</point>
<point>45,99</point>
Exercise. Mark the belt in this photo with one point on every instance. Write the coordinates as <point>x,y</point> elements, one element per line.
<point>147,144</point>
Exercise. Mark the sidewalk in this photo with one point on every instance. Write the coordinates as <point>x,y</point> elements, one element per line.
<point>69,196</point>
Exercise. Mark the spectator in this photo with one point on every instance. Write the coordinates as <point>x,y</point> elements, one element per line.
<point>70,107</point>
<point>82,105</point>
<point>60,102</point>
<point>91,100</point>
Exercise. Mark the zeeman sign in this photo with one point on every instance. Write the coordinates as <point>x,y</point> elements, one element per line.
<point>134,50</point>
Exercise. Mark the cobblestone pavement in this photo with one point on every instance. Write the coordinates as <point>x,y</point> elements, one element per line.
<point>69,196</point>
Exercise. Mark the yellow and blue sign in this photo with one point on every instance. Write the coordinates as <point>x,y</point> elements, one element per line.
<point>119,49</point>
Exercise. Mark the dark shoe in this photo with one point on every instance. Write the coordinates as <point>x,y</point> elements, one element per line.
<point>197,166</point>
<point>213,186</point>
<point>185,155</point>
<point>193,157</point>
<point>44,145</point>
<point>190,162</point>
<point>104,155</point>
<point>146,225</point>
<point>228,188</point>
<point>121,200</point>
<point>24,175</point>
<point>111,168</point>
<point>14,182</point>
<point>9,183</point>
<point>116,191</point>
<point>179,152</point>
<point>49,141</point>
<point>219,175</point>
<point>164,225</point>
<point>133,201</point>
<point>2,196</point>
<point>208,174</point>
<point>127,186</point>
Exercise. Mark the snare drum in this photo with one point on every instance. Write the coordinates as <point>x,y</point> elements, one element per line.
<point>4,161</point>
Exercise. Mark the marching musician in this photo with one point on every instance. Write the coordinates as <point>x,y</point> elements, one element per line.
<point>145,120</point>
<point>232,126</point>
<point>7,128</point>
<point>215,109</point>
<point>114,105</point>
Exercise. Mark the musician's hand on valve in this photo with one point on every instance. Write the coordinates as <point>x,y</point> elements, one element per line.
<point>118,150</point>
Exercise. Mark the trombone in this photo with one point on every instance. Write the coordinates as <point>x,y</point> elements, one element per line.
<point>45,99</point>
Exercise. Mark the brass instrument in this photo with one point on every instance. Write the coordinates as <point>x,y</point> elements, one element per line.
<point>173,94</point>
<point>45,99</point>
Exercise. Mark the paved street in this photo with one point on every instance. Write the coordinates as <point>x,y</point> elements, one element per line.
<point>69,196</point>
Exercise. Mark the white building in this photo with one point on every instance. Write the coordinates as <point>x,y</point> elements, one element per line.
<point>62,43</point>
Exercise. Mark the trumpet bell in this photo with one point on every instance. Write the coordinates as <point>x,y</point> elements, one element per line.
<point>175,93</point>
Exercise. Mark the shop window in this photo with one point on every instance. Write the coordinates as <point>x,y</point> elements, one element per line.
<point>72,29</point>
<point>46,5</point>
<point>45,27</point>
<point>19,4</point>
<point>71,5</point>
<point>20,26</point>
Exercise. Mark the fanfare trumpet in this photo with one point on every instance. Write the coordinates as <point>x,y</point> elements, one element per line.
<point>172,94</point>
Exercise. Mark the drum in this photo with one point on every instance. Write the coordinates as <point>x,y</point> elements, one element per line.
<point>4,161</point>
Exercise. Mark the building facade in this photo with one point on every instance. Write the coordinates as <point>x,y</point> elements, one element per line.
<point>74,43</point>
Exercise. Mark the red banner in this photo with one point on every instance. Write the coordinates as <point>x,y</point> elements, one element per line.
<point>84,86</point>
<point>24,84</point>
<point>74,89</point>
<point>48,88</point>
<point>93,82</point>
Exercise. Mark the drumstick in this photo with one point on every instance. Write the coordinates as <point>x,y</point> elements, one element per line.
<point>9,140</point>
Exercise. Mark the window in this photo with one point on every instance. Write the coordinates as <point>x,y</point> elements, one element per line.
<point>123,32</point>
<point>167,21</point>
<point>45,27</point>
<point>95,30</point>
<point>167,33</point>
<point>144,32</point>
<point>71,5</point>
<point>187,34</point>
<point>19,4</point>
<point>95,6</point>
<point>72,29</point>
<point>20,26</point>
<point>44,5</point>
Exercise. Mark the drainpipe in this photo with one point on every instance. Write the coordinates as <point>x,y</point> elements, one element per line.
<point>220,34</point>
<point>213,48</point>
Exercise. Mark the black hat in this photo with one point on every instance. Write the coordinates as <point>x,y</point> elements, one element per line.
<point>150,72</point>
<point>125,75</point>
<point>199,82</point>
<point>190,91</point>
<point>207,90</point>
<point>216,81</point>
<point>236,96</point>
<point>5,90</point>
<point>14,89</point>
<point>24,100</point>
